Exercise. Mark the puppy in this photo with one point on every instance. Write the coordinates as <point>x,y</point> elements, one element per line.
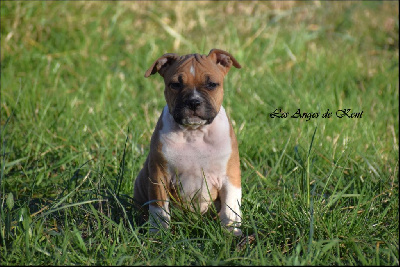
<point>194,158</point>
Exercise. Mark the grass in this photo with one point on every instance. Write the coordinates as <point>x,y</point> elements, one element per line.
<point>77,116</point>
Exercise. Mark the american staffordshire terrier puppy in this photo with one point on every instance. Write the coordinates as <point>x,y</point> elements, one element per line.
<point>194,158</point>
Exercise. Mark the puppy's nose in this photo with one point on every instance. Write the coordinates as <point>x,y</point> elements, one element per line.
<point>193,103</point>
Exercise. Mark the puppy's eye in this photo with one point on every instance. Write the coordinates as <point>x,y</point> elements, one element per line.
<point>175,86</point>
<point>211,85</point>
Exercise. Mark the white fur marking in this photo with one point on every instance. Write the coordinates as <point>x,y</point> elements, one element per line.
<point>192,70</point>
<point>196,94</point>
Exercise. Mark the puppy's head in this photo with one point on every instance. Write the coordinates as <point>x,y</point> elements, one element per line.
<point>194,84</point>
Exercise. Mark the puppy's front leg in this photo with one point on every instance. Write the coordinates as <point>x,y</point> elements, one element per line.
<point>230,193</point>
<point>158,195</point>
<point>230,215</point>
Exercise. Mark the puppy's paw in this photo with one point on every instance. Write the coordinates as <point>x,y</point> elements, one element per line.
<point>233,227</point>
<point>235,231</point>
<point>159,219</point>
<point>155,232</point>
<point>156,227</point>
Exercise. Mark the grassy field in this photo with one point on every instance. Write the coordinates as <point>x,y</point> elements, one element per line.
<point>77,115</point>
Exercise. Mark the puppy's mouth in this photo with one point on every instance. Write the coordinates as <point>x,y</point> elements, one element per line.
<point>193,121</point>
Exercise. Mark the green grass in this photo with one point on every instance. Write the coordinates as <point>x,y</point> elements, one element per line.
<point>77,115</point>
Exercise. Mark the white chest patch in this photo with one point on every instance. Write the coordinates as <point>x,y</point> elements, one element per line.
<point>197,159</point>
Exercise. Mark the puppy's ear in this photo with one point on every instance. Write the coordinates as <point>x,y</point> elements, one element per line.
<point>161,64</point>
<point>224,59</point>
